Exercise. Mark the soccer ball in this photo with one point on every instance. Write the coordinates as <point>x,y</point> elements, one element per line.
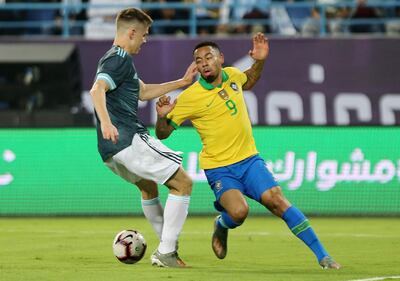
<point>129,246</point>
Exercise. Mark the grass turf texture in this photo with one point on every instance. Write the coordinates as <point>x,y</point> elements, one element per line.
<point>79,249</point>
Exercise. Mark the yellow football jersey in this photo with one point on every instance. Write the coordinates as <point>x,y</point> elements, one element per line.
<point>220,116</point>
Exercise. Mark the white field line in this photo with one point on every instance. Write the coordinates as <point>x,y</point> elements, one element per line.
<point>377,278</point>
<point>208,233</point>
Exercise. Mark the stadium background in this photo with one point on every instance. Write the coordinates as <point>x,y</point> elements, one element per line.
<point>326,110</point>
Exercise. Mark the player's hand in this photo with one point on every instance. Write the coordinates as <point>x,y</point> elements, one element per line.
<point>190,74</point>
<point>164,106</point>
<point>260,49</point>
<point>109,132</point>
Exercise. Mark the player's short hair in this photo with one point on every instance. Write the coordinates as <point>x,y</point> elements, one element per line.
<point>130,15</point>
<point>205,44</point>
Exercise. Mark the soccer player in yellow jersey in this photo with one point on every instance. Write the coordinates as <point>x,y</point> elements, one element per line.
<point>215,105</point>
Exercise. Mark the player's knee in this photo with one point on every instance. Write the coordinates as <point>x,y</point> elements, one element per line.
<point>275,201</point>
<point>149,193</point>
<point>148,189</point>
<point>185,185</point>
<point>239,214</point>
<point>280,205</point>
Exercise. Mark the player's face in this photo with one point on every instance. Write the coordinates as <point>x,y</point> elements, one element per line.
<point>209,62</point>
<point>137,37</point>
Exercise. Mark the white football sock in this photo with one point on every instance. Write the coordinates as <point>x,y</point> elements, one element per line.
<point>153,212</point>
<point>175,213</point>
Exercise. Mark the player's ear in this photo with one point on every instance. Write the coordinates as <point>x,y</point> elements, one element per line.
<point>131,33</point>
<point>222,58</point>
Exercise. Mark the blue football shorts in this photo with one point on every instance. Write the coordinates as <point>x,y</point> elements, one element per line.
<point>250,176</point>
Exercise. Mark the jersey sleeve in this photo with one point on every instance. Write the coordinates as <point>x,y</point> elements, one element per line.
<point>114,70</point>
<point>241,75</point>
<point>181,112</point>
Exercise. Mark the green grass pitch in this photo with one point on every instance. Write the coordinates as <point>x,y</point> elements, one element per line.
<point>79,249</point>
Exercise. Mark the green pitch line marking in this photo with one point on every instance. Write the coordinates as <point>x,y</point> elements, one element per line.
<point>377,278</point>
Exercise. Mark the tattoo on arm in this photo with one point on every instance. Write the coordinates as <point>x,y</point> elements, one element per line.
<point>253,74</point>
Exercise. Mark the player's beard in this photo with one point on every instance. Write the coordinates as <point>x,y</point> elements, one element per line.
<point>210,78</point>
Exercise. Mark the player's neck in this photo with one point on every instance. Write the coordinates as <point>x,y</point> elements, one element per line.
<point>218,80</point>
<point>120,43</point>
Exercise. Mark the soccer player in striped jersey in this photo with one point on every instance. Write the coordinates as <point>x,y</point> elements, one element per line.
<point>215,105</point>
<point>124,143</point>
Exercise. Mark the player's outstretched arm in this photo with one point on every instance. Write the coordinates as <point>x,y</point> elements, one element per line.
<point>163,107</point>
<point>259,53</point>
<point>98,94</point>
<point>152,91</point>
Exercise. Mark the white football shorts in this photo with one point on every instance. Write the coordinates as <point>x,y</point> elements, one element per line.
<point>146,158</point>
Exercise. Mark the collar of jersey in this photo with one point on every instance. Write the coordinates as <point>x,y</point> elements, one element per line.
<point>209,86</point>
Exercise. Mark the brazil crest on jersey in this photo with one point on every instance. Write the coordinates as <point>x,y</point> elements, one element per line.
<point>220,116</point>
<point>117,70</point>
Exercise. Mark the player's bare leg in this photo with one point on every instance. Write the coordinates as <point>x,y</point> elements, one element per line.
<point>148,189</point>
